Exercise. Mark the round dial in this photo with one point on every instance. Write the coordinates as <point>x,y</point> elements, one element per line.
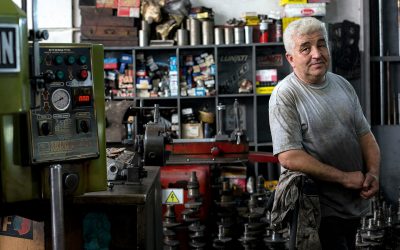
<point>60,99</point>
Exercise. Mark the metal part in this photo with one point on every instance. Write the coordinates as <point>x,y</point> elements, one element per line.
<point>248,34</point>
<point>182,37</point>
<point>208,32</point>
<point>195,32</point>
<point>239,35</point>
<point>237,134</point>
<point>57,207</point>
<point>381,66</point>
<point>228,34</point>
<point>219,35</point>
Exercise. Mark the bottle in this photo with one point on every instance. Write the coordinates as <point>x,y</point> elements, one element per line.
<point>278,31</point>
<point>263,31</point>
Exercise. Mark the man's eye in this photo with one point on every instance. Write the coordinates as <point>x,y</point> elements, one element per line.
<point>304,50</point>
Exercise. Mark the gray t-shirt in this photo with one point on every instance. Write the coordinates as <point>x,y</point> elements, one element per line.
<point>325,120</point>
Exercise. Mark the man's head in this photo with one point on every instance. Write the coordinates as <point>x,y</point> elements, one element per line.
<point>307,49</point>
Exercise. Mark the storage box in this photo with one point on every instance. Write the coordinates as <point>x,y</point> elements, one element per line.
<point>20,233</point>
<point>304,10</point>
<point>284,2</point>
<point>287,20</point>
<point>192,131</point>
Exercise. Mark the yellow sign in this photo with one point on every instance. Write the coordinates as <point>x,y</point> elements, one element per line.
<point>172,198</point>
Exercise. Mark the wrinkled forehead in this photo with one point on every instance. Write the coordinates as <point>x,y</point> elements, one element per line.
<point>312,37</point>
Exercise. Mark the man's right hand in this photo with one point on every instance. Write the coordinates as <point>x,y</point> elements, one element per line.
<point>353,180</point>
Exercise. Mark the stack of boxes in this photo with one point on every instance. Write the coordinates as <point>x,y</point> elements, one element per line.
<point>109,22</point>
<point>198,75</point>
<point>155,79</point>
<point>118,74</point>
<point>296,9</point>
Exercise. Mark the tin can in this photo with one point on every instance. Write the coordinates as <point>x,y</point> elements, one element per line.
<point>207,31</point>
<point>228,31</point>
<point>219,36</point>
<point>248,34</point>
<point>195,32</point>
<point>143,38</point>
<point>182,37</point>
<point>239,35</point>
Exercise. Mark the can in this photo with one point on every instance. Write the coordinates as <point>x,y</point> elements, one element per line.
<point>143,38</point>
<point>207,31</point>
<point>219,35</point>
<point>195,32</point>
<point>248,34</point>
<point>239,35</point>
<point>228,31</point>
<point>182,37</point>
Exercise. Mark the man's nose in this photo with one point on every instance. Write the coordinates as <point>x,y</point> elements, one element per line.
<point>315,52</point>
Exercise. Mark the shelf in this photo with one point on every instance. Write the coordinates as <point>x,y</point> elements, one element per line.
<point>385,59</point>
<point>231,64</point>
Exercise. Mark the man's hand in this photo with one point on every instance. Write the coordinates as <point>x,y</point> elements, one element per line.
<point>370,186</point>
<point>353,180</point>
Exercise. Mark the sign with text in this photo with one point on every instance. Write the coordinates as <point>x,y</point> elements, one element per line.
<point>9,48</point>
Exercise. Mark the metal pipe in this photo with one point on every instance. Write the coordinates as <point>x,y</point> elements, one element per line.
<point>381,66</point>
<point>57,207</point>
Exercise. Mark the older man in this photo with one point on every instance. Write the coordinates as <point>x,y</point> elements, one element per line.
<point>318,128</point>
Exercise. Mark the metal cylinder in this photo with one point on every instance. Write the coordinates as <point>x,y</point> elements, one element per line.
<point>57,207</point>
<point>182,37</point>
<point>219,35</point>
<point>228,31</point>
<point>248,34</point>
<point>143,38</point>
<point>145,27</point>
<point>195,32</point>
<point>239,35</point>
<point>207,31</point>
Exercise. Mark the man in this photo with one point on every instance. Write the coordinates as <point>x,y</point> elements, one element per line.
<point>318,128</point>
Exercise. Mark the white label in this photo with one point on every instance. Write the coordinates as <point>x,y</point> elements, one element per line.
<point>172,196</point>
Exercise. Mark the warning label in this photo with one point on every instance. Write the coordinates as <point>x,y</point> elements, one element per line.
<point>172,196</point>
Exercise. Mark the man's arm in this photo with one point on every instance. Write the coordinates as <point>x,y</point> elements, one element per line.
<point>299,160</point>
<point>372,158</point>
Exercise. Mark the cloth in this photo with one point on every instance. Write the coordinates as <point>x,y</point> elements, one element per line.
<point>290,190</point>
<point>326,121</point>
<point>337,233</point>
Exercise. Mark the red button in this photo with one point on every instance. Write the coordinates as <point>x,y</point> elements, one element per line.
<point>84,74</point>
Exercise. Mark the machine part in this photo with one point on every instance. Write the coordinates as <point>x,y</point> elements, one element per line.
<point>246,240</point>
<point>222,241</point>
<point>193,186</point>
<point>250,185</point>
<point>57,207</point>
<point>237,134</point>
<point>221,109</point>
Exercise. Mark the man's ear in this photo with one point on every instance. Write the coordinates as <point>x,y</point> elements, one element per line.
<point>289,58</point>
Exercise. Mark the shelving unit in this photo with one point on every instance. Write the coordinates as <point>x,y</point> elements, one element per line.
<point>232,64</point>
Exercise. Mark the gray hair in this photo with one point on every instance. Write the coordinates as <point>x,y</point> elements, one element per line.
<point>303,26</point>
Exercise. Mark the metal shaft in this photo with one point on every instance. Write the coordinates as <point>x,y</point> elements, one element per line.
<point>57,207</point>
<point>381,77</point>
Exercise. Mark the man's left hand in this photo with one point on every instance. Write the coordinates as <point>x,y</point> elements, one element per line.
<point>370,186</point>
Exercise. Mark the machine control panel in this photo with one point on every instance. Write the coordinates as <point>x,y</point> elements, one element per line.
<point>63,117</point>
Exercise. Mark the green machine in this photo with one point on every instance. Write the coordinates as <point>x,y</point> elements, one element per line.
<point>50,113</point>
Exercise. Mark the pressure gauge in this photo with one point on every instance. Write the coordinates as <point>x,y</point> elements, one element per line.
<point>61,99</point>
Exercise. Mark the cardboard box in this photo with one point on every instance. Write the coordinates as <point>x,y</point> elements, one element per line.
<point>20,233</point>
<point>287,20</point>
<point>305,10</point>
<point>192,131</point>
<point>284,2</point>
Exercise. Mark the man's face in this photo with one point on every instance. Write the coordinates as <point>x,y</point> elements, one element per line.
<point>309,57</point>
